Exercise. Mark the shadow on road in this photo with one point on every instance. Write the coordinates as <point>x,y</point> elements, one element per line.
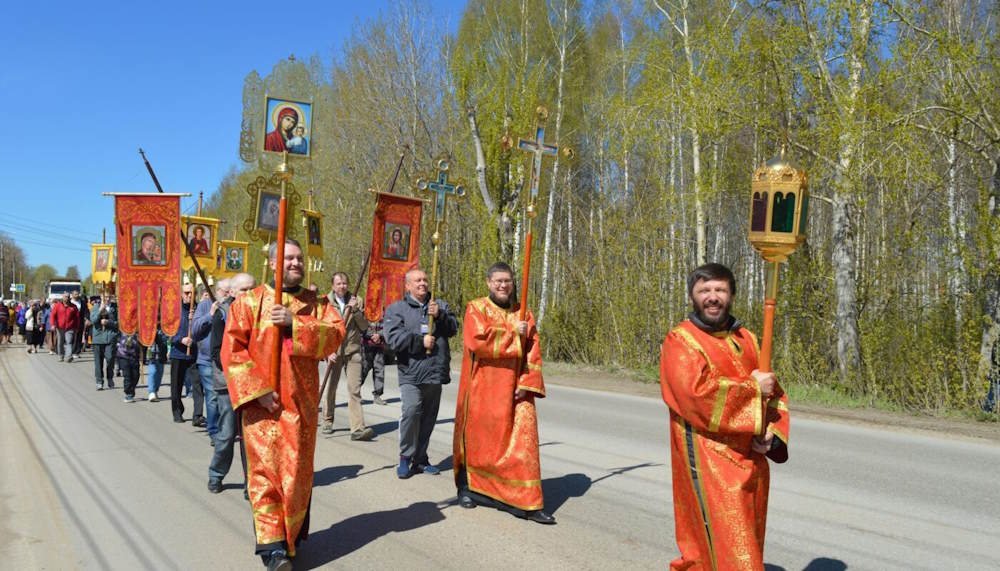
<point>818,564</point>
<point>826,564</point>
<point>557,490</point>
<point>342,538</point>
<point>334,474</point>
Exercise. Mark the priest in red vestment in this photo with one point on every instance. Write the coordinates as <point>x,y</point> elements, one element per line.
<point>279,420</point>
<point>285,123</point>
<point>720,440</point>
<point>496,430</point>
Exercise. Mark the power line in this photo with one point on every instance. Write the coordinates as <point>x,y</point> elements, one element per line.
<point>47,233</point>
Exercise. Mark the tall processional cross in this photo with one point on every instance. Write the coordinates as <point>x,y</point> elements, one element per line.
<point>440,188</point>
<point>538,148</point>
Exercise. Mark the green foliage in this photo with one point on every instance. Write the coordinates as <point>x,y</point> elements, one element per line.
<point>636,94</point>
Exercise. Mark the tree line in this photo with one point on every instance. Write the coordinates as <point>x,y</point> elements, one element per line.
<point>663,109</point>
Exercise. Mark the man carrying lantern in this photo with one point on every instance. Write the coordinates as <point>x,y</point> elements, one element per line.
<point>726,419</point>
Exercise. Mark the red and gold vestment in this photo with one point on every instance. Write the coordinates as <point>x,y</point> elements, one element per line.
<point>279,445</point>
<point>720,485</point>
<point>496,441</point>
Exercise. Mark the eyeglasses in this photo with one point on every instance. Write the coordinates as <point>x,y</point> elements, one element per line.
<point>187,292</point>
<point>503,282</point>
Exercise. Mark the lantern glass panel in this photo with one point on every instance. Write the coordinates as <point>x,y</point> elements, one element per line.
<point>758,220</point>
<point>803,215</point>
<point>783,214</point>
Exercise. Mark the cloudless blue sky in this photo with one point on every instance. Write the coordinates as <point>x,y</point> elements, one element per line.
<point>84,84</point>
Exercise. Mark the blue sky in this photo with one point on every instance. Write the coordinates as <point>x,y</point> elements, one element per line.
<point>84,84</point>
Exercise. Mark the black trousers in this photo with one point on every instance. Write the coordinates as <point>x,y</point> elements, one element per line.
<point>178,369</point>
<point>130,370</point>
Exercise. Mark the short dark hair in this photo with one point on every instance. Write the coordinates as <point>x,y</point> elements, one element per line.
<point>272,250</point>
<point>499,267</point>
<point>711,271</point>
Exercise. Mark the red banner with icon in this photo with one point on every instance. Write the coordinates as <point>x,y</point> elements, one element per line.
<point>149,264</point>
<point>395,250</point>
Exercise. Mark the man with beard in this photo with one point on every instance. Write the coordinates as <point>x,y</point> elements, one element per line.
<point>496,429</point>
<point>279,416</point>
<point>726,419</point>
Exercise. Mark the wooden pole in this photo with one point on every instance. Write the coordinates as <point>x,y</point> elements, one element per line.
<point>525,271</point>
<point>770,302</point>
<point>279,274</point>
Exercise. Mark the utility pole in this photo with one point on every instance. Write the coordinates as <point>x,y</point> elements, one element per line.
<point>3,283</point>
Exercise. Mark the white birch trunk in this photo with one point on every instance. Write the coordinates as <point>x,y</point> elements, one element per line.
<point>562,48</point>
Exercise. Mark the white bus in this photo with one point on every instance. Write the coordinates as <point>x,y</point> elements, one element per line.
<point>59,286</point>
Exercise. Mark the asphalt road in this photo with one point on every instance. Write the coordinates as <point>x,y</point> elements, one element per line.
<point>90,482</point>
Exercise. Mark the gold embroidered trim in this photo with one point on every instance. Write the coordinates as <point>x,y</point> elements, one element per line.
<point>720,404</point>
<point>494,477</point>
<point>254,396</point>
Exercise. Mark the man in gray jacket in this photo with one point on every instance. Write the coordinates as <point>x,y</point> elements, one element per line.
<point>423,359</point>
<point>104,334</point>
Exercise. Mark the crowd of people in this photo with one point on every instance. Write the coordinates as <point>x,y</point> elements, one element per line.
<point>726,417</point>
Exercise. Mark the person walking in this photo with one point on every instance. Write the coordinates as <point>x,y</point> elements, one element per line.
<point>423,360</point>
<point>727,418</point>
<point>279,415</point>
<point>496,425</point>
<point>104,334</point>
<point>373,359</point>
<point>225,438</point>
<point>183,353</point>
<point>67,319</point>
<point>80,337</point>
<point>346,361</point>
<point>34,327</point>
<point>205,408</point>
<point>127,353</point>
<point>155,357</point>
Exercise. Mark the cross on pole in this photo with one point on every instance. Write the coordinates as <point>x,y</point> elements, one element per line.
<point>538,148</point>
<point>441,189</point>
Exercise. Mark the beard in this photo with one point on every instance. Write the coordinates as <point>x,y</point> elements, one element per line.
<point>714,322</point>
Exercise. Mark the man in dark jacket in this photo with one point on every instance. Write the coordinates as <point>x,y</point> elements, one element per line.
<point>181,359</point>
<point>225,438</point>
<point>423,359</point>
<point>104,334</point>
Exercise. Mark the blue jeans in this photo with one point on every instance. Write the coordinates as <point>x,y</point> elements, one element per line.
<point>222,457</point>
<point>154,376</point>
<point>211,400</point>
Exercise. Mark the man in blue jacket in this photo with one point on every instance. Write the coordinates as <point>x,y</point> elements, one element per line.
<point>181,359</point>
<point>423,359</point>
<point>201,329</point>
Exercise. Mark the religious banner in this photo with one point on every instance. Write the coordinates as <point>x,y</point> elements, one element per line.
<point>287,126</point>
<point>101,262</point>
<point>233,258</point>
<point>395,250</point>
<point>149,263</point>
<point>202,234</point>
<point>313,223</point>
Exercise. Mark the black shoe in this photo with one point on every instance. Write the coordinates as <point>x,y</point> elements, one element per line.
<point>278,561</point>
<point>198,421</point>
<point>466,502</point>
<point>178,419</point>
<point>214,486</point>
<point>111,384</point>
<point>538,516</point>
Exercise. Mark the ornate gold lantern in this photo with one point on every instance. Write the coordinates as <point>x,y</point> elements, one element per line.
<point>779,198</point>
<point>778,207</point>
